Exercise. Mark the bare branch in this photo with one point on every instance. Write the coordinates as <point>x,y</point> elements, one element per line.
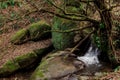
<point>82,41</point>
<point>112,7</point>
<point>71,18</point>
<point>71,30</point>
<point>65,15</point>
<point>64,12</point>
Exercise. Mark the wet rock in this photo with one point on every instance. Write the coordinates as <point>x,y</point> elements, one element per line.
<point>20,37</point>
<point>38,30</point>
<point>54,67</point>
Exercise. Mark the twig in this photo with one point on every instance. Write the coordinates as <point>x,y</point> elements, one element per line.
<point>84,1</point>
<point>112,7</point>
<point>113,49</point>
<point>82,41</point>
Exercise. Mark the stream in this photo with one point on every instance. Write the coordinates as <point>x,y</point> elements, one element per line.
<point>90,58</point>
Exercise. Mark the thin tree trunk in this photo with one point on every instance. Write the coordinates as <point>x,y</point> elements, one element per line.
<point>105,32</point>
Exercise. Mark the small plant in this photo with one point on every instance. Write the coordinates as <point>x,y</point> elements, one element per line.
<point>102,26</point>
<point>11,2</point>
<point>5,4</point>
<point>97,40</point>
<point>96,37</point>
<point>117,69</point>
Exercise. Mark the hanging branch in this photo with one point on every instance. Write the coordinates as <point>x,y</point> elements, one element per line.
<point>83,18</point>
<point>82,41</point>
<point>71,14</point>
<point>112,7</point>
<point>71,30</point>
<point>69,17</point>
<point>64,12</point>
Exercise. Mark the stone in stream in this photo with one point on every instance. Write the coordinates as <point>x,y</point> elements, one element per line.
<point>55,66</point>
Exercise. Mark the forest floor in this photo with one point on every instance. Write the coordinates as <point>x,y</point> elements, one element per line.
<point>11,21</point>
<point>9,51</point>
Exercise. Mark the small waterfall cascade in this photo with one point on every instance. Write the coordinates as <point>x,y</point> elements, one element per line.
<point>91,59</point>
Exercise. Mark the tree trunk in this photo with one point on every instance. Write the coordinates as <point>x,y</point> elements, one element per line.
<point>105,32</point>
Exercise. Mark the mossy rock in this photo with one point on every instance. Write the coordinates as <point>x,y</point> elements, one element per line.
<point>26,60</point>
<point>20,62</point>
<point>20,37</point>
<point>8,68</point>
<point>62,40</point>
<point>38,30</point>
<point>53,66</point>
<point>43,51</point>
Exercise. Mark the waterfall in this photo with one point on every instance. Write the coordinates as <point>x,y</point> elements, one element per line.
<point>91,58</point>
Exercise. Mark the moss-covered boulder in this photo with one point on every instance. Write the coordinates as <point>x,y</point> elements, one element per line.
<point>53,67</point>
<point>20,62</point>
<point>26,61</point>
<point>20,37</point>
<point>38,30</point>
<point>60,38</point>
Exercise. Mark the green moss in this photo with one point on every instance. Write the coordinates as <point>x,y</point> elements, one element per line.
<point>41,74</point>
<point>38,73</point>
<point>9,68</point>
<point>11,65</point>
<point>43,68</point>
<point>37,30</point>
<point>72,9</point>
<point>43,51</point>
<point>63,40</point>
<point>40,70</point>
<point>117,69</point>
<point>26,60</point>
<point>20,37</point>
<point>40,52</point>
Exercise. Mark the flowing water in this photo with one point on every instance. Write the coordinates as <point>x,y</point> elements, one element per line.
<point>91,59</point>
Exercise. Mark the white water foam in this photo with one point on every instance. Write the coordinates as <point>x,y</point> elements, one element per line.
<point>90,57</point>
